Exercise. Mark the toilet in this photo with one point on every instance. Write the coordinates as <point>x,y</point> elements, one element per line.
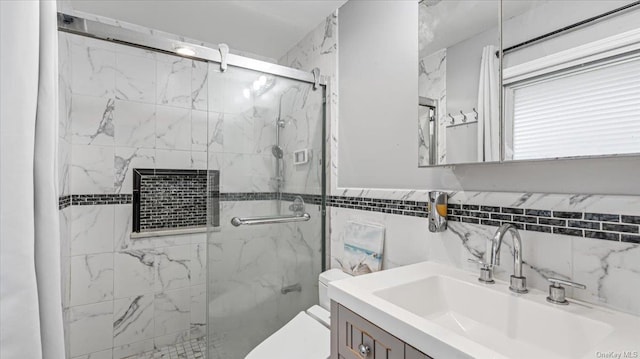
<point>307,334</point>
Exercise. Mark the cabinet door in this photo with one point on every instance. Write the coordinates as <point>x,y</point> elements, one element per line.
<point>413,353</point>
<point>354,332</point>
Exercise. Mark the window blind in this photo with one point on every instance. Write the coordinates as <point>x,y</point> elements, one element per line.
<point>595,111</point>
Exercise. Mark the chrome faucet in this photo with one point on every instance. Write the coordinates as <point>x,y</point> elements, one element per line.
<point>517,282</point>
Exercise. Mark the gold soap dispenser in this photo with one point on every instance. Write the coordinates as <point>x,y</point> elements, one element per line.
<point>437,211</point>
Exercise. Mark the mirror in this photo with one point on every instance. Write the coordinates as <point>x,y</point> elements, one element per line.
<point>427,131</point>
<point>571,79</point>
<point>459,76</point>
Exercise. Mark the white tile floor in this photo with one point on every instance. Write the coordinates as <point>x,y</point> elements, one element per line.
<point>194,349</point>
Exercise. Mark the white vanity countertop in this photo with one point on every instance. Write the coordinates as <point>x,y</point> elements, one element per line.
<point>450,325</point>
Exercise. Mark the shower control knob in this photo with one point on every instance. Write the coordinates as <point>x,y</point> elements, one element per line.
<point>364,350</point>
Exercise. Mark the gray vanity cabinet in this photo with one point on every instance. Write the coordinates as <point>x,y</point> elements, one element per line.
<point>413,353</point>
<point>353,337</point>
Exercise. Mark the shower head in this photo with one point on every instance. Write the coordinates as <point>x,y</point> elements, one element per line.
<point>277,151</point>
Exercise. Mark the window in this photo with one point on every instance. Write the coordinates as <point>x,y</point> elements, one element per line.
<point>591,111</point>
<point>584,101</point>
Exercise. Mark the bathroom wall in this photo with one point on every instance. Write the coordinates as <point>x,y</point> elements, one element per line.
<point>319,49</point>
<point>121,108</point>
<point>606,266</point>
<point>558,230</point>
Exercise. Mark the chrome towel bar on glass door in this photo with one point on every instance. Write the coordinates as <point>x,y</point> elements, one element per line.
<point>250,221</point>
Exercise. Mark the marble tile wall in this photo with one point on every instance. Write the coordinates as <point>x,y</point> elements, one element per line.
<point>120,108</point>
<point>127,296</point>
<point>130,108</point>
<point>302,110</point>
<point>319,49</point>
<point>606,267</point>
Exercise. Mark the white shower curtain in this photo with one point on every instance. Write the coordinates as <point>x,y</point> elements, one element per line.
<point>30,293</point>
<point>488,106</point>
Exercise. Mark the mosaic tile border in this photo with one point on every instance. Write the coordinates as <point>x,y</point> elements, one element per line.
<point>391,206</point>
<point>605,226</point>
<point>247,196</point>
<point>269,196</point>
<point>64,201</point>
<point>613,227</point>
<point>93,199</point>
<point>114,198</point>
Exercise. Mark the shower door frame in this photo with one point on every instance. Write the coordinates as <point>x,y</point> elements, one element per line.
<point>90,28</point>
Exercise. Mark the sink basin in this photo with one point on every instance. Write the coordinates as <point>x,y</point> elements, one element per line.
<point>498,320</point>
<point>446,313</point>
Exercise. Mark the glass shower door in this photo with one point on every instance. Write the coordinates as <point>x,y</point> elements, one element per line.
<point>265,136</point>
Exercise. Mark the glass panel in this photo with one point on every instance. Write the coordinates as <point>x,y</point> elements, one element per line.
<point>265,136</point>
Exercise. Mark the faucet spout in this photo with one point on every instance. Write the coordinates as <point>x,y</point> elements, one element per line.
<point>517,280</point>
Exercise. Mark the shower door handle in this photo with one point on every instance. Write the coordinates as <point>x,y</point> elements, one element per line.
<point>251,221</point>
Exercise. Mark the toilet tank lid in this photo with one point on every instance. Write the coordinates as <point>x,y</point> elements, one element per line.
<point>333,274</point>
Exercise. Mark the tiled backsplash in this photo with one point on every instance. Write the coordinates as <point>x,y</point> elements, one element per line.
<point>614,227</point>
<point>555,242</point>
<point>391,206</point>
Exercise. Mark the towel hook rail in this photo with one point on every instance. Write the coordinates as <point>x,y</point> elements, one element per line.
<point>464,117</point>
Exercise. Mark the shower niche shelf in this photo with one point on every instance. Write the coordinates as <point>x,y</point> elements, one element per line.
<point>174,201</point>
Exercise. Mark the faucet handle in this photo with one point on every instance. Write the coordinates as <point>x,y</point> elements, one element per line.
<point>557,291</point>
<point>486,272</point>
<point>557,282</point>
<point>477,261</point>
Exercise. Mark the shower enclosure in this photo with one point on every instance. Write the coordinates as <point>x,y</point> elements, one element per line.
<point>266,139</point>
<point>256,128</point>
